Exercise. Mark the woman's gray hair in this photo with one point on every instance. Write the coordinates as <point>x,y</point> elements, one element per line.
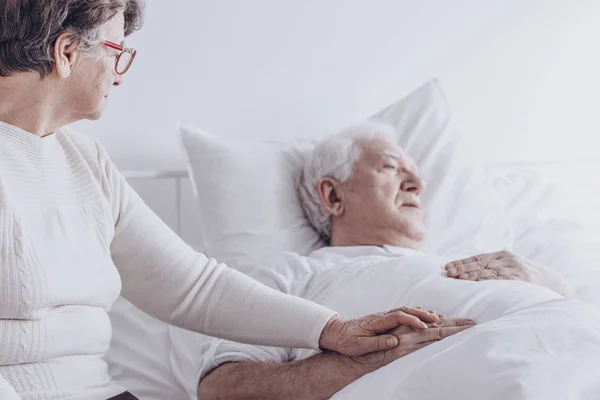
<point>29,29</point>
<point>335,158</point>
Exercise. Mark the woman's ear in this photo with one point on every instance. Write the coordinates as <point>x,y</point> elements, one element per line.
<point>331,196</point>
<point>66,55</point>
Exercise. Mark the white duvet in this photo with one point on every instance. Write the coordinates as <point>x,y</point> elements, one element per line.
<point>530,343</point>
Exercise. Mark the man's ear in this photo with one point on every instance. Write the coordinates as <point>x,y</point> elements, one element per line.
<point>66,55</point>
<point>331,196</point>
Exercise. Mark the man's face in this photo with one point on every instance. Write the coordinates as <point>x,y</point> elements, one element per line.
<point>383,194</point>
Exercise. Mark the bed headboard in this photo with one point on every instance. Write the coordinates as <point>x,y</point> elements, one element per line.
<point>169,193</point>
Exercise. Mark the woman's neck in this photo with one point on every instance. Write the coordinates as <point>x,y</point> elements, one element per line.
<point>25,102</point>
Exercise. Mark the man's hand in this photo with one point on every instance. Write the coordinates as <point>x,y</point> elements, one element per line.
<point>369,334</point>
<point>499,265</point>
<point>409,341</point>
<point>507,266</point>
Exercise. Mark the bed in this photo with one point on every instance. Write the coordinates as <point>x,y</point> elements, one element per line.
<point>544,211</point>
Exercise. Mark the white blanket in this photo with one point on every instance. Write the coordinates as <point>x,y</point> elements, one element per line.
<point>530,343</point>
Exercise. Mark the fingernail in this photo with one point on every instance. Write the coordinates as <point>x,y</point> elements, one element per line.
<point>391,342</point>
<point>423,325</point>
<point>452,270</point>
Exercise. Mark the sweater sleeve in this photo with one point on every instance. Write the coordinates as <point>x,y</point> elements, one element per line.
<point>166,278</point>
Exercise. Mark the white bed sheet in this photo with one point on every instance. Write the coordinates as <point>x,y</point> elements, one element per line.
<point>138,358</point>
<point>554,216</point>
<point>530,343</point>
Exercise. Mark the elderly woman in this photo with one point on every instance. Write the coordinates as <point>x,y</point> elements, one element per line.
<point>73,234</point>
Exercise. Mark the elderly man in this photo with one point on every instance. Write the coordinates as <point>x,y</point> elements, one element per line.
<point>361,192</point>
<point>360,189</point>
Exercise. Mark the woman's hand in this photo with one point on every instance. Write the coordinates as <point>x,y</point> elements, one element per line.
<point>409,341</point>
<point>505,265</point>
<point>372,333</point>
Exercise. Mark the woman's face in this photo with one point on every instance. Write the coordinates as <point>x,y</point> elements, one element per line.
<point>92,79</point>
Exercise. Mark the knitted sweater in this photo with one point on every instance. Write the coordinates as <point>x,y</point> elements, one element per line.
<point>73,236</point>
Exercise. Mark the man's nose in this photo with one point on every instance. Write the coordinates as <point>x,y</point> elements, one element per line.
<point>412,184</point>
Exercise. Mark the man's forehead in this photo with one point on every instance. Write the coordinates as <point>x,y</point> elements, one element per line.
<point>397,153</point>
<point>380,147</point>
<point>385,148</point>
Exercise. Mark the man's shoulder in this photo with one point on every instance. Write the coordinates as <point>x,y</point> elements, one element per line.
<point>286,271</point>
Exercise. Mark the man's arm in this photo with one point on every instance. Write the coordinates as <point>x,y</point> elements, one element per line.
<point>319,376</point>
<point>316,377</point>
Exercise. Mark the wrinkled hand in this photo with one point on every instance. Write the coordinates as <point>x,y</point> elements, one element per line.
<point>507,266</point>
<point>499,265</point>
<point>368,334</point>
<point>409,341</point>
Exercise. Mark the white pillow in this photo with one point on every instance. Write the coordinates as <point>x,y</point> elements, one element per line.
<point>249,206</point>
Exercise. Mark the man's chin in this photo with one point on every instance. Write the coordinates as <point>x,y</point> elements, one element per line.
<point>417,233</point>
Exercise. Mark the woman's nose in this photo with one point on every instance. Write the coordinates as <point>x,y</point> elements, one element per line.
<point>118,80</point>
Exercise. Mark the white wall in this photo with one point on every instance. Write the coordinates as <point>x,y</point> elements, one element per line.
<point>533,92</point>
<point>514,70</point>
<point>522,76</point>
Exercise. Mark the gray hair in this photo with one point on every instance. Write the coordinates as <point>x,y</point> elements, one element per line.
<point>335,158</point>
<point>29,29</point>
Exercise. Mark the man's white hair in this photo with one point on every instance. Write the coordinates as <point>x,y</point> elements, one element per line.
<point>335,158</point>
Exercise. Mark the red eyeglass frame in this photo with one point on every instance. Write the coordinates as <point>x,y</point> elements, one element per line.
<point>121,49</point>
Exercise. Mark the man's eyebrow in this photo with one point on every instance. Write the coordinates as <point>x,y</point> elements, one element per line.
<point>391,154</point>
<point>399,158</point>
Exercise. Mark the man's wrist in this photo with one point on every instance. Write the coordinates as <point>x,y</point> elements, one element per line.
<point>354,367</point>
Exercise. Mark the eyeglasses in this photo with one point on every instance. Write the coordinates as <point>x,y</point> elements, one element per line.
<point>124,58</point>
